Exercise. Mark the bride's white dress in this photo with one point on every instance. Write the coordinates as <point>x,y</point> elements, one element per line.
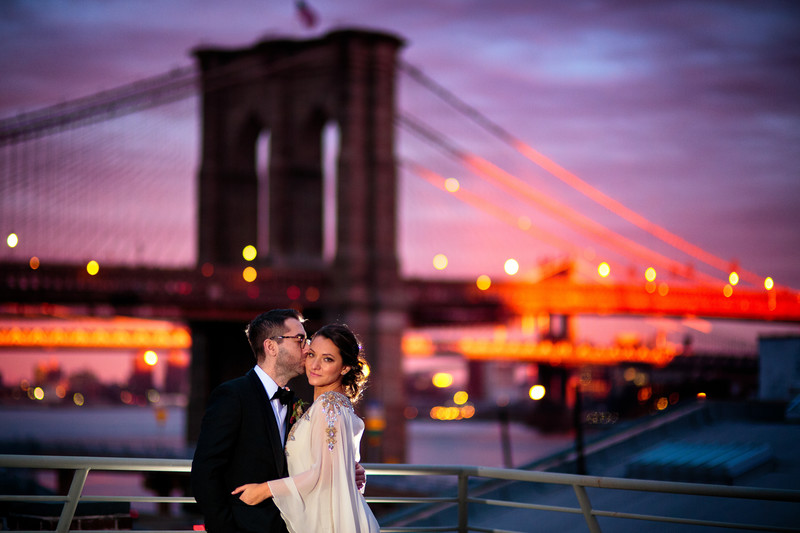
<point>321,450</point>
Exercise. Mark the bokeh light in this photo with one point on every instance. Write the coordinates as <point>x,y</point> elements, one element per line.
<point>650,274</point>
<point>769,284</point>
<point>511,267</point>
<point>92,267</point>
<point>733,278</point>
<point>150,357</point>
<point>442,380</point>
<point>12,240</point>
<point>249,253</point>
<point>604,269</point>
<point>249,274</point>
<point>451,185</point>
<point>439,261</point>
<point>727,290</point>
<point>461,397</point>
<point>483,282</point>
<point>537,392</point>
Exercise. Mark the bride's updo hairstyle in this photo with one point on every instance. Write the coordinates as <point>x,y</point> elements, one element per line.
<point>350,349</point>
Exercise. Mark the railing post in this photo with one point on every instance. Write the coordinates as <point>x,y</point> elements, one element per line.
<point>463,515</point>
<point>586,507</point>
<point>74,496</point>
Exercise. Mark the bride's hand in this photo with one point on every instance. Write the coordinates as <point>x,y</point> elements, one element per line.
<point>253,493</point>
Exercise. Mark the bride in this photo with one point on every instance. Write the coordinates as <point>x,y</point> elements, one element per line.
<point>322,448</point>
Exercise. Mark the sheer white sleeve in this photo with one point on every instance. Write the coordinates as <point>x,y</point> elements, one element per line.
<point>321,493</point>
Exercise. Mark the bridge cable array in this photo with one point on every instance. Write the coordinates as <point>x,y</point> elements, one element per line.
<point>496,176</point>
<point>571,179</point>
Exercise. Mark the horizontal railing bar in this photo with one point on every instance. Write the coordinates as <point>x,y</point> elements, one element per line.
<point>108,531</point>
<point>672,487</point>
<point>400,499</point>
<point>522,505</point>
<point>32,498</point>
<point>417,529</point>
<point>493,530</point>
<point>694,522</point>
<point>95,463</point>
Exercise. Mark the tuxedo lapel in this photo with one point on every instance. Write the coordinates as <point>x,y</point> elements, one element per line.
<point>268,416</point>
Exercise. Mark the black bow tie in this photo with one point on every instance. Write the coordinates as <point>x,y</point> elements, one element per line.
<point>284,395</point>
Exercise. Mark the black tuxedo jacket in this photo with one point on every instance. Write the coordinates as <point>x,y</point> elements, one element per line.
<point>239,443</point>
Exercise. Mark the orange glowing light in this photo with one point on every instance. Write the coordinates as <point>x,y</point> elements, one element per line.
<point>249,274</point>
<point>92,267</point>
<point>733,278</point>
<point>727,291</point>
<point>439,261</point>
<point>483,282</point>
<point>701,395</point>
<point>663,288</point>
<point>604,270</point>
<point>417,345</point>
<point>461,397</point>
<point>769,284</point>
<point>524,223</point>
<point>312,294</point>
<point>650,274</point>
<point>34,263</point>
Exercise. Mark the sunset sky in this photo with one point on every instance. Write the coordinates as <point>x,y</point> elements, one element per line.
<point>685,112</point>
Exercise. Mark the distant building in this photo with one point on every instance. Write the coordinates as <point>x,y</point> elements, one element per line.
<point>779,367</point>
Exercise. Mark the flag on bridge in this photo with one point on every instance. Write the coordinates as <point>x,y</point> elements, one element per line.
<point>307,15</point>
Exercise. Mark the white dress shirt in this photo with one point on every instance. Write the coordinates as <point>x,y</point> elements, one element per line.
<point>277,407</point>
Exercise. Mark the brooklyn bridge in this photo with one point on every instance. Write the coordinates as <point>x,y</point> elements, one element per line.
<point>293,201</point>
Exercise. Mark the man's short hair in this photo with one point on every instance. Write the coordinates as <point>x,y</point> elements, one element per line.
<point>266,325</point>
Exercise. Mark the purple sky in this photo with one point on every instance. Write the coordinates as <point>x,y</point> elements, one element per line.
<point>684,111</point>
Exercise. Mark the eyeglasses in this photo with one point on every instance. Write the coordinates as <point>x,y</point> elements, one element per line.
<point>304,341</point>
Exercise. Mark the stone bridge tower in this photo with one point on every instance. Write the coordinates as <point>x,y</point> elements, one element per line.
<point>291,90</point>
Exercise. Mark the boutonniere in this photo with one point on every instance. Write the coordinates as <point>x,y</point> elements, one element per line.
<point>297,411</point>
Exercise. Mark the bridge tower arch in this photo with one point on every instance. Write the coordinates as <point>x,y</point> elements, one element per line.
<point>291,90</point>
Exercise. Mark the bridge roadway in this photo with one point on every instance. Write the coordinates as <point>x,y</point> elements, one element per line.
<point>225,295</point>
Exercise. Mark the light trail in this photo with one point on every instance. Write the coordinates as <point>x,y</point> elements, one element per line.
<point>496,176</point>
<point>577,183</point>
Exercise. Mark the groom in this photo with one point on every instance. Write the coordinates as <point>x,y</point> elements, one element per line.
<point>245,425</point>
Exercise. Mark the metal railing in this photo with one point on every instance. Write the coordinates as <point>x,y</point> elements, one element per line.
<point>466,495</point>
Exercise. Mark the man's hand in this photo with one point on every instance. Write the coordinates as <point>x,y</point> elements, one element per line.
<point>361,477</point>
<point>253,493</point>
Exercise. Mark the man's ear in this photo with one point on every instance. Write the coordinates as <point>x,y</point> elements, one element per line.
<point>270,347</point>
